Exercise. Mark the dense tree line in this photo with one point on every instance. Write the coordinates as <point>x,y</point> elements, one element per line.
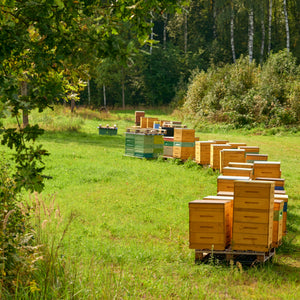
<point>202,34</point>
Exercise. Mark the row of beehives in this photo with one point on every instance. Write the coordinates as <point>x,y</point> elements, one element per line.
<point>250,210</point>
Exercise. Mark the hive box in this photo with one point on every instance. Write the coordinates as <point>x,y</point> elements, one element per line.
<point>250,149</point>
<point>210,224</point>
<point>184,135</point>
<point>251,157</point>
<point>184,152</point>
<point>231,155</point>
<point>215,154</point>
<point>236,145</point>
<point>226,183</point>
<point>138,115</point>
<point>202,152</point>
<point>277,222</point>
<point>240,165</point>
<point>253,216</point>
<point>268,169</point>
<point>229,171</point>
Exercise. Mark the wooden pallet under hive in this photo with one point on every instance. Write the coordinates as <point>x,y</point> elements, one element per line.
<point>210,224</point>
<point>253,216</point>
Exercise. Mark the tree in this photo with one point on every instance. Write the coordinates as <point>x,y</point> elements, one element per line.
<point>48,45</point>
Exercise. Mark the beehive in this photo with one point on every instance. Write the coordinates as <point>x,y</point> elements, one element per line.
<point>250,149</point>
<point>285,198</point>
<point>158,145</point>
<point>184,135</point>
<point>138,115</point>
<point>211,197</point>
<point>150,122</point>
<point>231,155</point>
<point>143,122</point>
<point>210,224</point>
<point>236,145</point>
<point>184,152</point>
<point>226,183</point>
<point>129,143</point>
<point>240,165</point>
<point>230,171</point>
<point>143,145</point>
<point>267,169</point>
<point>168,146</point>
<point>202,152</point>
<point>215,154</point>
<point>253,216</point>
<point>221,141</point>
<point>277,222</point>
<point>251,157</point>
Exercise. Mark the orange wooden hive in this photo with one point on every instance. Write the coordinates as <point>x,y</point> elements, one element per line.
<point>215,154</point>
<point>267,169</point>
<point>253,216</point>
<point>226,183</point>
<point>210,224</point>
<point>202,152</point>
<point>231,155</point>
<point>240,165</point>
<point>251,157</point>
<point>229,171</point>
<point>250,149</point>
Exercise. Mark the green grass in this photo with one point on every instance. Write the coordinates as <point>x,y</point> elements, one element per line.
<point>129,238</point>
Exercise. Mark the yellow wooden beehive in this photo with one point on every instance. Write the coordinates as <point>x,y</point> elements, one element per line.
<point>150,122</point>
<point>210,224</point>
<point>267,169</point>
<point>226,183</point>
<point>143,122</point>
<point>240,165</point>
<point>215,154</point>
<point>253,216</point>
<point>230,171</point>
<point>221,141</point>
<point>184,135</point>
<point>251,157</point>
<point>277,222</point>
<point>250,149</point>
<point>236,145</point>
<point>202,152</point>
<point>231,155</point>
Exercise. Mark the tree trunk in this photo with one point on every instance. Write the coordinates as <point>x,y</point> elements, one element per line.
<point>152,33</point>
<point>165,17</point>
<point>104,96</point>
<point>270,25</point>
<point>89,92</point>
<point>24,93</point>
<point>185,32</point>
<point>262,48</point>
<point>250,34</point>
<point>214,9</point>
<point>286,26</point>
<point>123,88</point>
<point>232,33</point>
<point>72,105</point>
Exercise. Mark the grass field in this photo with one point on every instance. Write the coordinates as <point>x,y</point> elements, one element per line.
<point>128,238</point>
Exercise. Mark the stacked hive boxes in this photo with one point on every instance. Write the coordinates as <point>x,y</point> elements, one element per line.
<point>143,145</point>
<point>184,143</point>
<point>231,171</point>
<point>168,146</point>
<point>210,224</point>
<point>285,198</point>
<point>268,169</point>
<point>158,145</point>
<point>231,155</point>
<point>215,154</point>
<point>253,216</point>
<point>129,143</point>
<point>202,152</point>
<point>251,157</point>
<point>138,115</point>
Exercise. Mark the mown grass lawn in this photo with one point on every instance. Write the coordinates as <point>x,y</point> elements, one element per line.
<point>129,237</point>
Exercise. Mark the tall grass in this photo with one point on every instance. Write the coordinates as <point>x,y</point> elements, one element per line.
<point>130,235</point>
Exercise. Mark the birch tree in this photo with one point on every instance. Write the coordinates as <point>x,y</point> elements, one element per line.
<point>270,25</point>
<point>286,20</point>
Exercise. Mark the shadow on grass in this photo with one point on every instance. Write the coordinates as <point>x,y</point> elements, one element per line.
<point>66,137</point>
